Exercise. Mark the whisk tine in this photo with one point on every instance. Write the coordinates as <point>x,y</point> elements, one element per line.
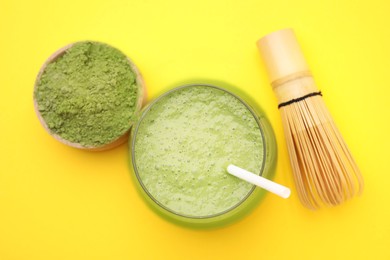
<point>325,172</point>
<point>322,155</point>
<point>310,156</point>
<point>347,153</point>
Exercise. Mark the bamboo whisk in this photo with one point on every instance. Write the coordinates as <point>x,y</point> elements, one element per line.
<point>324,171</point>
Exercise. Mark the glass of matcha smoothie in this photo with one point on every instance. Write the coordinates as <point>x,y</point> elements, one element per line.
<point>182,144</point>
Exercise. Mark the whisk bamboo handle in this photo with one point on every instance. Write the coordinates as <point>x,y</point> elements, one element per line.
<point>282,55</point>
<point>287,68</point>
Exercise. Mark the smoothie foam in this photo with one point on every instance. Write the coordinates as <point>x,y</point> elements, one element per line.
<point>185,141</point>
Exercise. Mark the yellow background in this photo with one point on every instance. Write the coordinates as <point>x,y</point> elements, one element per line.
<point>61,203</point>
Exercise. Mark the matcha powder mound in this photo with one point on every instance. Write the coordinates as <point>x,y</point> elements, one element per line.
<point>88,95</point>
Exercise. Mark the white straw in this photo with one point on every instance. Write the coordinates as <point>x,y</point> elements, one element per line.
<point>257,180</point>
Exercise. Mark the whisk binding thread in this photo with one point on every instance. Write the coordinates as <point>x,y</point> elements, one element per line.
<point>294,100</point>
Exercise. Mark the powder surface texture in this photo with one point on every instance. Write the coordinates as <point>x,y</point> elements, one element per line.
<point>88,95</point>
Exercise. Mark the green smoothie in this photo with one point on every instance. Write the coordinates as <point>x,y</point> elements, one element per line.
<point>183,144</point>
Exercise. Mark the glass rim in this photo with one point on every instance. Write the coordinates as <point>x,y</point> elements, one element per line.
<point>134,135</point>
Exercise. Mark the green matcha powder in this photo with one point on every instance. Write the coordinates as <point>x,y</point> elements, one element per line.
<point>88,95</point>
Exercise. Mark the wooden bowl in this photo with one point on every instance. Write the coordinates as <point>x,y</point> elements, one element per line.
<point>141,100</point>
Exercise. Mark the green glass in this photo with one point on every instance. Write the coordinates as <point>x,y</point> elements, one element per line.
<point>179,164</point>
